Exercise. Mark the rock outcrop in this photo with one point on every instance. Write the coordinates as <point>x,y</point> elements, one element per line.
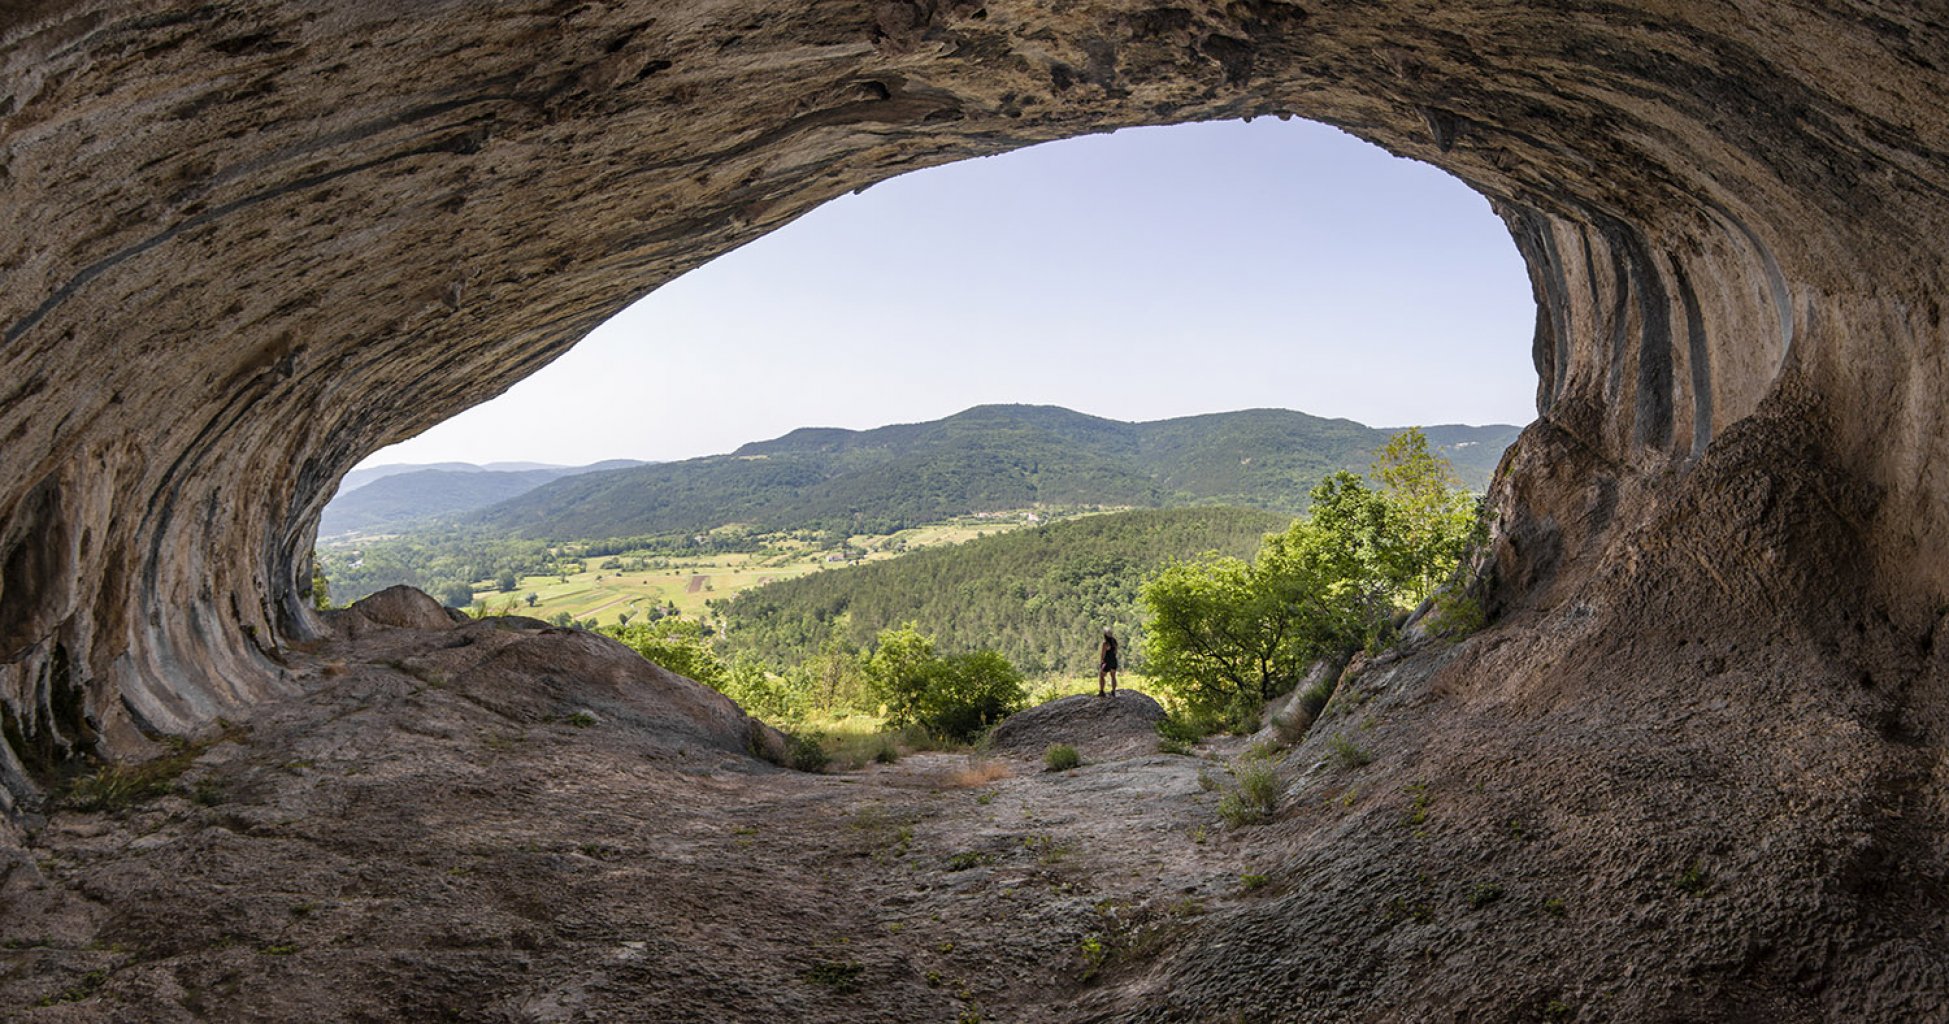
<point>1121,725</point>
<point>247,243</point>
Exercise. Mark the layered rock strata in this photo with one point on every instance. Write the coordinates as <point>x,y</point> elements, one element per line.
<point>247,243</point>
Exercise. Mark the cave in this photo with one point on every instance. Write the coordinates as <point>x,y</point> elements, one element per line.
<point>250,243</point>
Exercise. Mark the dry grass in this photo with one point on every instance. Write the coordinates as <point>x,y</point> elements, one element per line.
<point>979,772</point>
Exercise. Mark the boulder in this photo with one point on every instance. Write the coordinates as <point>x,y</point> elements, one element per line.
<point>403,607</point>
<point>1100,728</point>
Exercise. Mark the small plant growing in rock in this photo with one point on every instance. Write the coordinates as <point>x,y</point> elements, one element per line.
<point>1061,757</point>
<point>838,975</point>
<point>1254,795</point>
<point>1484,894</point>
<point>1691,881</point>
<point>582,719</point>
<point>1554,907</point>
<point>1250,881</point>
<point>1345,753</point>
<point>966,859</point>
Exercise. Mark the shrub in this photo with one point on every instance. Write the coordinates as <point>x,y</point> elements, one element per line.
<point>1484,894</point>
<point>1254,794</point>
<point>1345,753</point>
<point>957,697</point>
<point>1314,698</point>
<point>1177,734</point>
<point>1061,757</point>
<point>804,753</point>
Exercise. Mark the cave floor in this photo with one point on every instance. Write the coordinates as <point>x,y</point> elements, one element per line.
<point>385,848</point>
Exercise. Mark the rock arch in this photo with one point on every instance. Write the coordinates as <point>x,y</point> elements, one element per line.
<point>249,242</point>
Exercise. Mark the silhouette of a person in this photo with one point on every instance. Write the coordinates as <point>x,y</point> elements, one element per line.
<point>1106,663</point>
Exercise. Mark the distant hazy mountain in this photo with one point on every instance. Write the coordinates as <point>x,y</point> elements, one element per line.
<point>392,497</point>
<point>987,458</point>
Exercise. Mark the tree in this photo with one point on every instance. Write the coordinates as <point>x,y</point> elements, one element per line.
<point>506,582</point>
<point>1222,630</point>
<point>531,598</point>
<point>678,646</point>
<point>321,588</point>
<point>955,697</point>
<point>1432,516</point>
<point>456,595</point>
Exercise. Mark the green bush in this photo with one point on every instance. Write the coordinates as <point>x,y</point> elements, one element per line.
<point>1345,753</point>
<point>1177,734</point>
<point>1314,698</point>
<point>1061,757</point>
<point>805,753</point>
<point>1254,794</point>
<point>957,697</point>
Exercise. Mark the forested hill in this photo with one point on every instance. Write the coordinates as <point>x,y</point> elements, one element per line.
<point>985,459</point>
<point>1039,596</point>
<point>396,500</point>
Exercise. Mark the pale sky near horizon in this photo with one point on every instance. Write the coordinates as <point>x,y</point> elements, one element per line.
<point>1140,275</point>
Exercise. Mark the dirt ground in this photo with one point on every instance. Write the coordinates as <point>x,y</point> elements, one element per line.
<point>405,843</point>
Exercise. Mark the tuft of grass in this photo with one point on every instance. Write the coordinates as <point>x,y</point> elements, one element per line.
<point>120,786</point>
<point>1250,881</point>
<point>838,975</point>
<point>1484,894</point>
<point>85,988</point>
<point>979,772</point>
<point>1419,801</point>
<point>1061,757</point>
<point>1254,794</point>
<point>1693,880</point>
<point>582,719</point>
<point>1554,907</point>
<point>966,860</point>
<point>1345,753</point>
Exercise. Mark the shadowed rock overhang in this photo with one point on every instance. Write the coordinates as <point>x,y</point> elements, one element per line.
<point>248,243</point>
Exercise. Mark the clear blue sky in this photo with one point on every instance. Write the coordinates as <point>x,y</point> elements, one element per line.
<point>1146,274</point>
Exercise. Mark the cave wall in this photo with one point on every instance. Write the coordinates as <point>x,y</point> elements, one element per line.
<point>248,243</point>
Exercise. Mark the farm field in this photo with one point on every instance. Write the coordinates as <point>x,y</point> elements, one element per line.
<point>688,583</point>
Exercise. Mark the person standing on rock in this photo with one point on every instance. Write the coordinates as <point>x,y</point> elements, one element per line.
<point>1106,663</point>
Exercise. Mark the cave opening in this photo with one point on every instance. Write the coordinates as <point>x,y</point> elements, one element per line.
<point>1221,271</point>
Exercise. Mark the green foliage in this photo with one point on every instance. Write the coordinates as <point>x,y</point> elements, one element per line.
<point>1061,757</point>
<point>1345,753</point>
<point>838,975</point>
<point>1254,794</point>
<point>119,786</point>
<point>678,645</point>
<point>1040,596</point>
<point>457,595</point>
<point>321,588</point>
<point>958,696</point>
<point>1484,894</point>
<point>1177,734</point>
<point>1431,517</point>
<point>1222,630</point>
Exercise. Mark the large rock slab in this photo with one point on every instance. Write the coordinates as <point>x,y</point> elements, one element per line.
<point>1100,728</point>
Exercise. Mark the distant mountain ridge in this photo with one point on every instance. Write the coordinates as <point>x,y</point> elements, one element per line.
<point>987,458</point>
<point>402,495</point>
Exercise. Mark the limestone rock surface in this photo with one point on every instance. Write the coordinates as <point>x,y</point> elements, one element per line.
<point>1120,725</point>
<point>247,243</point>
